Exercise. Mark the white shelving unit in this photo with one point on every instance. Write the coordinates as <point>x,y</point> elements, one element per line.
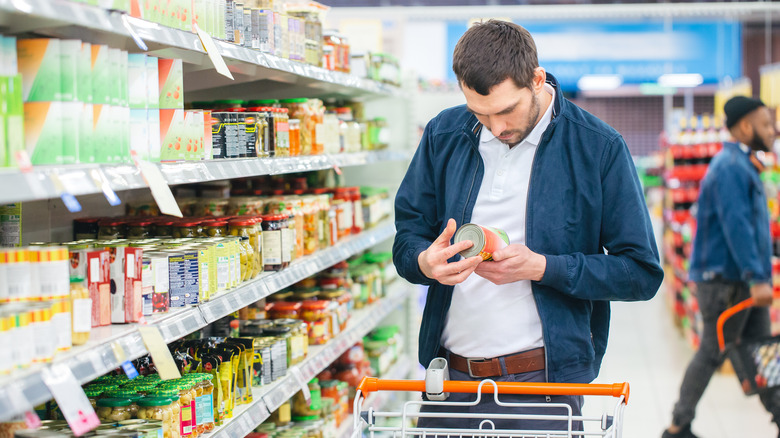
<point>257,75</point>
<point>78,180</point>
<point>97,357</point>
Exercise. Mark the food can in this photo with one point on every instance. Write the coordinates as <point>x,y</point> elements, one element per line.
<point>486,240</point>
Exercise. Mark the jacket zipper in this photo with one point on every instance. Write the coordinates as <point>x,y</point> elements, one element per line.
<point>471,188</point>
<point>527,234</point>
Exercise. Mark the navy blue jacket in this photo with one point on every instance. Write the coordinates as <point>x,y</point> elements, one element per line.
<point>584,197</point>
<point>732,239</point>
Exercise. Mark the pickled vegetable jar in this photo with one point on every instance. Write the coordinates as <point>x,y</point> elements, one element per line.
<point>114,409</point>
<point>317,316</point>
<point>163,409</point>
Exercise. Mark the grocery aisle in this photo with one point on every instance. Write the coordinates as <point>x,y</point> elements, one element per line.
<point>647,351</point>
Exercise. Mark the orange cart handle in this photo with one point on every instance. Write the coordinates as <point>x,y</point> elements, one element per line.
<point>372,384</point>
<point>733,311</point>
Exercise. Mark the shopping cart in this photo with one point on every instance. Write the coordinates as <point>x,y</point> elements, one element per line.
<point>756,362</point>
<point>603,426</point>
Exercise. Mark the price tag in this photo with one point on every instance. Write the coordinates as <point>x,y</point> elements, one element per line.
<point>160,191</point>
<point>19,401</point>
<point>23,161</point>
<point>161,356</point>
<point>213,52</point>
<point>127,366</point>
<point>71,399</point>
<point>133,34</point>
<point>68,199</point>
<point>100,181</point>
<point>298,376</point>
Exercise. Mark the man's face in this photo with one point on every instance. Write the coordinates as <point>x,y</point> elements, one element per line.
<point>763,130</point>
<point>509,112</point>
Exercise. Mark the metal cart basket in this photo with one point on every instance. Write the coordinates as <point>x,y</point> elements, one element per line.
<point>602,426</point>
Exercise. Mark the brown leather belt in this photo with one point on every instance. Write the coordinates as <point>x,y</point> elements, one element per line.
<point>527,361</point>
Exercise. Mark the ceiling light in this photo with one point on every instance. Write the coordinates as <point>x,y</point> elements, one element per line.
<point>599,82</point>
<point>686,80</point>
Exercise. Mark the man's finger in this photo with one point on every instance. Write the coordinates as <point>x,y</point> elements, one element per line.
<point>446,235</point>
<point>460,278</point>
<point>463,265</point>
<point>453,249</point>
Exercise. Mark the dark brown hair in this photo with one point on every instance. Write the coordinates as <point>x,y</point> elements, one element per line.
<point>492,51</point>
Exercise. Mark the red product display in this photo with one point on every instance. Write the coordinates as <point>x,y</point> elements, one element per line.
<point>99,285</point>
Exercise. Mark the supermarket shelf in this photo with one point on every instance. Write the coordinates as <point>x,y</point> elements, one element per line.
<point>97,357</point>
<point>268,398</point>
<point>377,400</point>
<point>269,283</point>
<point>254,72</point>
<point>79,180</point>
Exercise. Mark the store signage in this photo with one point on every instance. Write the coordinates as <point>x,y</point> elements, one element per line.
<point>639,52</point>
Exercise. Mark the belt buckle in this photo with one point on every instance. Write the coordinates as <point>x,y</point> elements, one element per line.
<point>468,365</point>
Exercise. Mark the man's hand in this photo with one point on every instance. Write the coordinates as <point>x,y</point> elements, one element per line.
<point>761,293</point>
<point>513,263</point>
<point>433,261</point>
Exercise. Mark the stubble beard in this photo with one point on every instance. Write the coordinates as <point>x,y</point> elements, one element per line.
<point>531,122</point>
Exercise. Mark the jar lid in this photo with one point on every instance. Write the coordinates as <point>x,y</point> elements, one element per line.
<point>113,402</point>
<point>123,393</point>
<point>315,305</point>
<point>286,306</point>
<point>306,418</point>
<point>295,100</point>
<point>76,279</point>
<point>154,401</point>
<point>262,102</point>
<point>241,223</point>
<point>186,224</point>
<point>93,391</point>
<point>217,224</point>
<point>111,222</point>
<point>276,330</point>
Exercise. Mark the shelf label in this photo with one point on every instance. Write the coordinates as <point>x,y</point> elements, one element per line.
<point>133,34</point>
<point>68,199</point>
<point>161,356</point>
<point>213,52</point>
<point>160,190</point>
<point>100,181</point>
<point>298,376</point>
<point>71,399</point>
<point>20,402</point>
<point>127,366</point>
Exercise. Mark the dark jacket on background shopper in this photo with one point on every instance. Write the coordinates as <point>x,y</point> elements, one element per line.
<point>584,197</point>
<point>732,200</point>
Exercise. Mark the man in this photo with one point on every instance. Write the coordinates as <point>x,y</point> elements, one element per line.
<point>561,183</point>
<point>732,252</point>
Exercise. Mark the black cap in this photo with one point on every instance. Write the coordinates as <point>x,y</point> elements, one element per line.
<point>738,107</point>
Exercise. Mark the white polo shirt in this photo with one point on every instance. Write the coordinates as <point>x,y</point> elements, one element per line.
<point>488,320</point>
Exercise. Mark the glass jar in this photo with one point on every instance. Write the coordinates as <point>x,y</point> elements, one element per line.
<point>295,210</point>
<point>305,294</point>
<point>311,230</point>
<point>92,394</point>
<point>338,307</point>
<point>257,121</point>
<point>272,242</point>
<point>247,228</point>
<point>342,198</point>
<point>283,416</point>
<point>301,408</point>
<point>111,229</point>
<point>358,220</point>
<point>163,228</point>
<point>114,409</point>
<point>299,342</point>
<point>282,132</point>
<point>317,316</point>
<point>285,310</point>
<point>161,409</point>
<point>185,403</point>
<point>139,230</point>
<point>216,228</point>
<point>295,137</point>
<point>206,414</point>
<point>185,229</point>
<point>197,393</point>
<point>128,394</point>
<point>81,311</point>
<point>284,334</point>
<point>213,207</point>
<point>300,110</point>
<point>247,255</point>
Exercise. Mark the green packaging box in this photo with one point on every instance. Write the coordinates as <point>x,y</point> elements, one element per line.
<point>172,134</point>
<point>84,82</point>
<point>153,123</point>
<point>136,80</point>
<point>43,132</point>
<point>70,55</point>
<point>14,118</point>
<point>171,83</point>
<point>39,63</point>
<point>101,75</point>
<point>71,128</point>
<point>139,133</point>
<point>102,132</point>
<point>86,134</point>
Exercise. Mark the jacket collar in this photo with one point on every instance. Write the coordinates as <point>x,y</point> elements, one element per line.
<point>472,128</point>
<point>745,149</point>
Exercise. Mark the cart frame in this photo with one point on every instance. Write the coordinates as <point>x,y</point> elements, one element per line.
<point>609,426</point>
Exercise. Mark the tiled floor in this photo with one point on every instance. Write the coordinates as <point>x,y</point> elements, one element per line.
<point>646,350</point>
